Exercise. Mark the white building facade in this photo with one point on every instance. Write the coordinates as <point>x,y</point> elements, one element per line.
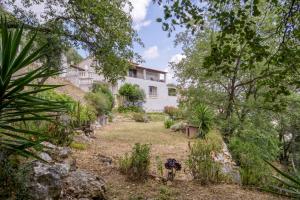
<point>158,93</point>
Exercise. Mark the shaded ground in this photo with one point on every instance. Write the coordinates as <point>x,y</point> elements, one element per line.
<point>118,138</point>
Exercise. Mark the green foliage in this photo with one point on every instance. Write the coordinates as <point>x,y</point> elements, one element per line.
<point>78,146</point>
<point>101,99</point>
<point>126,109</point>
<point>200,162</point>
<point>79,26</point>
<point>132,94</point>
<point>100,102</point>
<point>75,115</point>
<point>140,117</point>
<point>159,166</point>
<point>249,150</point>
<point>172,111</point>
<point>202,117</point>
<point>13,179</point>
<point>136,166</point>
<point>290,183</point>
<point>19,101</point>
<point>168,123</point>
<point>156,117</point>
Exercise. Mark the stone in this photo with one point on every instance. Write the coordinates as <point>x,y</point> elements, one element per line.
<point>228,166</point>
<point>80,184</point>
<point>45,156</point>
<point>45,181</point>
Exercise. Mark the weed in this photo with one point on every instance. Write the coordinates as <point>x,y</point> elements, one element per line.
<point>136,165</point>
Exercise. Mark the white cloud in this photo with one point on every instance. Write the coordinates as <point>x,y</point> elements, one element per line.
<point>170,72</point>
<point>151,53</point>
<point>145,23</point>
<point>139,13</point>
<point>177,58</point>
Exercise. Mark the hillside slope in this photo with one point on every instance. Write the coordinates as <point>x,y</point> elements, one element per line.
<point>68,88</point>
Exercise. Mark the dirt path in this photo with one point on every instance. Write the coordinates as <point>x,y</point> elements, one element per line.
<point>116,139</point>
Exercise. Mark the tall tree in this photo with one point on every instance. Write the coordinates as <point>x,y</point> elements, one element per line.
<point>102,27</point>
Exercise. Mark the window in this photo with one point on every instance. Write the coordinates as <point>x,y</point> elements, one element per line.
<point>172,91</point>
<point>152,91</point>
<point>132,73</point>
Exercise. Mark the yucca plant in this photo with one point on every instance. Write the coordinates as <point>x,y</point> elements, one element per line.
<point>19,89</point>
<point>202,117</point>
<point>290,183</point>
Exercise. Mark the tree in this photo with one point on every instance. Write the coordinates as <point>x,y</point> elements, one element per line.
<point>243,20</point>
<point>101,27</point>
<point>132,93</point>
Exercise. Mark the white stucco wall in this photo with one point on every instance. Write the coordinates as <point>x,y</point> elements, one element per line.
<point>153,104</point>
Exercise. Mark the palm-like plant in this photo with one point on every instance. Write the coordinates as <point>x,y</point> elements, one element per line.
<point>202,117</point>
<point>19,89</point>
<point>290,183</point>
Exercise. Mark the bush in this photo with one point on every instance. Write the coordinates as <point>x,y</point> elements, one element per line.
<point>202,117</point>
<point>140,117</point>
<point>172,111</point>
<point>168,123</point>
<point>13,179</point>
<point>200,162</point>
<point>100,102</point>
<point>125,109</point>
<point>136,166</point>
<point>132,93</point>
<point>249,151</point>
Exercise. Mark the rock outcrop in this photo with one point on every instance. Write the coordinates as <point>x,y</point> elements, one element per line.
<point>58,178</point>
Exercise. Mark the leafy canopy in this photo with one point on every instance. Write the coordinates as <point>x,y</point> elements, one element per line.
<point>101,27</point>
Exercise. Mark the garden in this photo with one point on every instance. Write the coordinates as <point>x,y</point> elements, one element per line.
<point>233,135</point>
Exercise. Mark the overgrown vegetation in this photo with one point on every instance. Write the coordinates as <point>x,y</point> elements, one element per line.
<point>136,165</point>
<point>133,97</point>
<point>200,162</point>
<point>101,99</point>
<point>168,123</point>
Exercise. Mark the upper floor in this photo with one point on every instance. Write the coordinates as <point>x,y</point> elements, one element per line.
<point>140,72</point>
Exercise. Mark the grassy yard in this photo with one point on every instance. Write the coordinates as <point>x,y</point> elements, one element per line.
<point>118,138</point>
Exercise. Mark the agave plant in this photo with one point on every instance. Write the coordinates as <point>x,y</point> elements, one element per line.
<point>290,183</point>
<point>19,89</point>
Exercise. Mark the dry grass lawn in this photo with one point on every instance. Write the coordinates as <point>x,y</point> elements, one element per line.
<point>118,138</point>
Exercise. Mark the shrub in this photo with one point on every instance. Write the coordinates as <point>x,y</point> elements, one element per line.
<point>140,117</point>
<point>103,89</point>
<point>172,111</point>
<point>200,162</point>
<point>132,93</point>
<point>202,117</point>
<point>168,123</point>
<point>100,102</point>
<point>13,179</point>
<point>136,165</point>
<point>249,156</point>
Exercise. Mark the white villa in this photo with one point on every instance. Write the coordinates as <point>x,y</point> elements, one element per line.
<point>158,93</point>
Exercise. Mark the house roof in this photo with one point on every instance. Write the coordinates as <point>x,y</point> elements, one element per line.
<point>77,67</point>
<point>136,65</point>
<point>88,60</point>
